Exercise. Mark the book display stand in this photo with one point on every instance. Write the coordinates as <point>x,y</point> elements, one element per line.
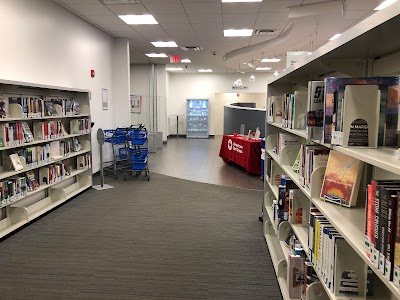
<point>351,261</point>
<point>50,172</point>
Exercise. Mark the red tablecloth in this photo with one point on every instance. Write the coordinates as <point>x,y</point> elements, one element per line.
<point>246,153</point>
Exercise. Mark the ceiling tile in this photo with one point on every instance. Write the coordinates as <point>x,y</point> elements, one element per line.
<point>106,20</point>
<point>160,1</point>
<point>92,10</point>
<point>361,4</point>
<point>266,17</point>
<point>205,18</point>
<point>128,9</point>
<point>117,27</point>
<point>152,32</point>
<point>172,19</point>
<point>163,9</point>
<point>182,34</point>
<point>239,25</point>
<point>240,8</point>
<point>355,14</point>
<point>278,5</point>
<point>132,34</point>
<point>168,27</point>
<point>203,8</point>
<point>235,18</point>
<point>75,2</point>
<point>208,27</point>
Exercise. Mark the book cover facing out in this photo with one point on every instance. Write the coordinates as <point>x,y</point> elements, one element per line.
<point>389,105</point>
<point>342,178</point>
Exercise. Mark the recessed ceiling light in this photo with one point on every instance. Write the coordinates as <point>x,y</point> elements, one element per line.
<point>238,32</point>
<point>186,61</point>
<point>271,60</point>
<point>164,44</point>
<point>385,4</point>
<point>156,55</point>
<point>138,19</point>
<point>235,1</point>
<point>263,68</point>
<point>174,69</point>
<point>335,36</point>
<point>205,70</point>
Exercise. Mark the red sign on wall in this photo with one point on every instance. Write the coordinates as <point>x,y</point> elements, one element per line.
<point>174,59</point>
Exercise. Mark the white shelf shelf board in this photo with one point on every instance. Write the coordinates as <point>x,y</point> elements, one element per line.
<point>274,189</point>
<point>350,224</point>
<point>43,141</point>
<point>299,132</point>
<point>285,249</point>
<point>12,227</point>
<point>42,118</point>
<point>14,173</point>
<point>77,191</point>
<point>273,247</point>
<point>44,187</point>
<point>284,288</point>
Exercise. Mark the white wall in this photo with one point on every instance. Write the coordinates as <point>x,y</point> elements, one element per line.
<point>185,86</point>
<point>44,43</point>
<point>140,85</point>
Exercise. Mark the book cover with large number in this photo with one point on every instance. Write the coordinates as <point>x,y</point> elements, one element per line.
<point>342,179</point>
<point>315,110</point>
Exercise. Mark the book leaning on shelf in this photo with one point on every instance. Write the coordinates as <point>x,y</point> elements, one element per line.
<point>342,179</point>
<point>315,110</point>
<point>12,189</point>
<point>346,125</point>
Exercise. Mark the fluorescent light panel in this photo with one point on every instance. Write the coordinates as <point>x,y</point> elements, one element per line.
<point>385,4</point>
<point>271,60</point>
<point>335,36</point>
<point>186,61</point>
<point>164,44</point>
<point>156,55</point>
<point>236,1</point>
<point>138,19</point>
<point>238,32</point>
<point>263,68</point>
<point>205,70</point>
<point>174,69</point>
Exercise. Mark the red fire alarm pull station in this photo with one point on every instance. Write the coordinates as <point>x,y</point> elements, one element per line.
<point>92,73</point>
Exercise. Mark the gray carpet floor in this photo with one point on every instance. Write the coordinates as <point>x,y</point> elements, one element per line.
<point>164,239</point>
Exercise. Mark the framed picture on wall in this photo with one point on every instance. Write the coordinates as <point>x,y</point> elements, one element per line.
<point>136,104</point>
<point>104,99</point>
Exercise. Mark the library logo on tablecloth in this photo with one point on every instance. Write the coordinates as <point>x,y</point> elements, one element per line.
<point>230,144</point>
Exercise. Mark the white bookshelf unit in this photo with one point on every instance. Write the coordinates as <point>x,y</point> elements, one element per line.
<point>368,49</point>
<point>25,207</point>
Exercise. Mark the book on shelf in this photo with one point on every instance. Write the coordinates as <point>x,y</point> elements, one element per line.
<point>11,134</point>
<point>315,110</point>
<point>55,152</point>
<point>31,182</point>
<point>4,112</point>
<point>295,273</point>
<point>52,173</point>
<point>12,189</point>
<point>274,109</point>
<point>47,130</point>
<point>16,162</point>
<point>28,136</point>
<point>396,255</point>
<point>50,109</point>
<point>76,108</point>
<point>297,213</point>
<point>80,126</point>
<point>342,179</point>
<point>360,126</point>
<point>76,144</point>
<point>69,106</point>
<point>299,110</point>
<point>388,113</point>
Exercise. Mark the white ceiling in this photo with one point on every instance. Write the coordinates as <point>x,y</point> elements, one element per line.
<point>201,23</point>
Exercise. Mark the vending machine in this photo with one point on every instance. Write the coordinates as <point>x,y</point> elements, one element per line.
<point>197,118</point>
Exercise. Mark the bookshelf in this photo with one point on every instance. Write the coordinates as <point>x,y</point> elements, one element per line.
<point>69,177</point>
<point>367,49</point>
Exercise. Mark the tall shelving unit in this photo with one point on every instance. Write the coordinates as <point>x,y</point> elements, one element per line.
<point>367,49</point>
<point>24,209</point>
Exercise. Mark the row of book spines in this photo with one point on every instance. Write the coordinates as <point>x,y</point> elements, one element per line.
<point>81,126</point>
<point>84,161</point>
<point>322,242</point>
<point>286,139</point>
<point>12,134</point>
<point>12,189</point>
<point>382,230</point>
<point>48,130</point>
<point>32,107</point>
<point>311,158</point>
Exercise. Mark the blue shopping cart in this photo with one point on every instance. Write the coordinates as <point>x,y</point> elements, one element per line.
<point>138,154</point>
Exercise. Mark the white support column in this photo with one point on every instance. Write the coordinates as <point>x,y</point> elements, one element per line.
<point>121,82</point>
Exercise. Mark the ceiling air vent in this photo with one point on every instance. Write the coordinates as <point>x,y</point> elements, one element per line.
<point>265,32</point>
<point>195,48</point>
<point>110,2</point>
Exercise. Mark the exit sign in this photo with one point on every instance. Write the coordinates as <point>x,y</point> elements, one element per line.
<point>174,59</point>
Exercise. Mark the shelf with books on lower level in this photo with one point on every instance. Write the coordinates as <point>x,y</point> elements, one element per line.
<point>19,213</point>
<point>64,137</point>
<point>43,118</point>
<point>31,107</point>
<point>7,174</point>
<point>44,187</point>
